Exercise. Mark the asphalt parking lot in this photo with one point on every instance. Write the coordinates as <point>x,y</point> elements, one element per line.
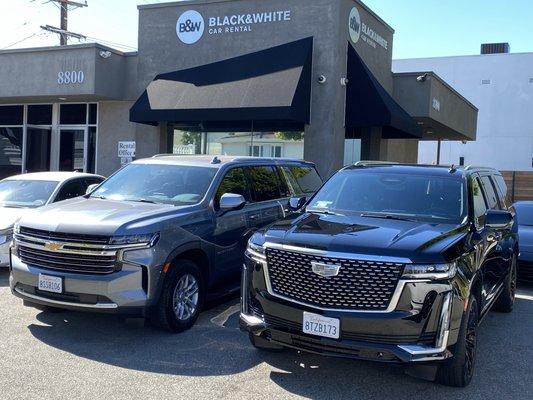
<point>55,355</point>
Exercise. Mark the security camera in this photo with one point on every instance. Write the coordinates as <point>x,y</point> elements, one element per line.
<point>422,78</point>
<point>105,54</point>
<point>321,79</point>
<point>344,81</point>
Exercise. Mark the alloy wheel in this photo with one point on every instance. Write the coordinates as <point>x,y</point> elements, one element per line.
<point>513,278</point>
<point>186,296</point>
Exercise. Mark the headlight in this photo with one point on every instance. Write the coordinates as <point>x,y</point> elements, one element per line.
<point>255,250</point>
<point>430,271</point>
<point>147,239</point>
<point>6,236</point>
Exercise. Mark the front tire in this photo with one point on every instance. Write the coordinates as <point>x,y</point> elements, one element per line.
<point>459,370</point>
<point>505,301</point>
<point>181,299</point>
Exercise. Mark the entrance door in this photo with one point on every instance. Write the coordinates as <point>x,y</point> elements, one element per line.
<point>72,149</point>
<point>38,146</point>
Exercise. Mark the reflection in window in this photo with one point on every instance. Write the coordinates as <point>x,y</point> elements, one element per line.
<point>265,183</point>
<point>234,182</point>
<point>10,151</point>
<point>257,144</point>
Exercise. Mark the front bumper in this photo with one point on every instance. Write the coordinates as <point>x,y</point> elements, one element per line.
<point>118,292</point>
<point>422,325</point>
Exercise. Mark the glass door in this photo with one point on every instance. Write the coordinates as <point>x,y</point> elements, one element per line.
<point>38,147</point>
<point>72,149</point>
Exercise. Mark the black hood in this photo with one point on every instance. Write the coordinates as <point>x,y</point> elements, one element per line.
<point>418,241</point>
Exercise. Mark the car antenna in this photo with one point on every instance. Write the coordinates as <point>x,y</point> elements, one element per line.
<point>452,169</point>
<point>215,160</point>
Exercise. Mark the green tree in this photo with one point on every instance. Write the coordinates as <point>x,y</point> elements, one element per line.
<point>289,135</point>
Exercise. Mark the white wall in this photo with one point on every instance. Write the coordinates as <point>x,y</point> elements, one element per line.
<point>505,119</point>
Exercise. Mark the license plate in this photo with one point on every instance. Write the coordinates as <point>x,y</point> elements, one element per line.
<point>49,283</point>
<point>315,324</point>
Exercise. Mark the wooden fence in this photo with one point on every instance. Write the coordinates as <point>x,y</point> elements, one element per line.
<point>519,184</point>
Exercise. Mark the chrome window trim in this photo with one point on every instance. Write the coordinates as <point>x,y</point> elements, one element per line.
<point>395,296</point>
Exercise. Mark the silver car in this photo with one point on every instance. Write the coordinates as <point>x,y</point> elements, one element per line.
<point>21,194</point>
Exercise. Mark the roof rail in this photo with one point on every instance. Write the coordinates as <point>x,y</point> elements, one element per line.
<point>364,163</point>
<point>470,167</point>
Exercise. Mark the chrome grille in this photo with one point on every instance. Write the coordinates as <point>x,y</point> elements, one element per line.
<point>360,285</point>
<point>65,252</point>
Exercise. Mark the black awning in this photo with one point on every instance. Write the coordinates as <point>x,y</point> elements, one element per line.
<point>270,89</point>
<point>368,104</point>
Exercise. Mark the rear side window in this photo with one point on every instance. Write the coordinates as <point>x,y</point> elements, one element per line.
<point>265,183</point>
<point>234,182</point>
<point>480,207</point>
<point>505,197</point>
<point>492,197</point>
<point>70,190</point>
<point>306,177</point>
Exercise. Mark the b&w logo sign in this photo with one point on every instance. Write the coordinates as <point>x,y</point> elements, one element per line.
<point>355,25</point>
<point>190,27</point>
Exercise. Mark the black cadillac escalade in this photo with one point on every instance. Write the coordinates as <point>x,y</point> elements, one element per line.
<point>386,262</point>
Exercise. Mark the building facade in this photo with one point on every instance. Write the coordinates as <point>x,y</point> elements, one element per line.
<point>291,78</point>
<point>501,86</point>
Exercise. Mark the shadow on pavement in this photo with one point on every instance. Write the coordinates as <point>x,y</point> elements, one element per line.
<point>503,368</point>
<point>4,277</point>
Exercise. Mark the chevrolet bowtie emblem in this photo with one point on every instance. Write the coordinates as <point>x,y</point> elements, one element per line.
<point>325,270</point>
<point>53,246</point>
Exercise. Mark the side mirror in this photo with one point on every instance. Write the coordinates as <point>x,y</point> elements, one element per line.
<point>498,219</point>
<point>91,188</point>
<point>231,202</point>
<point>295,203</point>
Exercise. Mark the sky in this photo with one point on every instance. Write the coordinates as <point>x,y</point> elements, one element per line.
<point>424,28</point>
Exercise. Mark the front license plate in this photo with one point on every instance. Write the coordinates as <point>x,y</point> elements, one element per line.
<point>49,283</point>
<point>315,324</point>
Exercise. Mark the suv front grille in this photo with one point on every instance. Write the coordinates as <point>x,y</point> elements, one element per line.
<point>360,285</point>
<point>65,252</point>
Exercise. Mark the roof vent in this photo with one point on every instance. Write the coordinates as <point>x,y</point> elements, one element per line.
<point>495,48</point>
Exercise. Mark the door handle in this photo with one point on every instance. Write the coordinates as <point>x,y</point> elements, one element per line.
<point>253,216</point>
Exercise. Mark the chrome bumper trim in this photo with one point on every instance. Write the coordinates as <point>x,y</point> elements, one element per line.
<point>98,306</point>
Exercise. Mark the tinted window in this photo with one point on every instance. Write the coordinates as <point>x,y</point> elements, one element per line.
<point>40,114</point>
<point>168,184</point>
<point>25,193</point>
<point>480,207</point>
<point>265,183</point>
<point>71,189</point>
<point>504,193</point>
<point>524,213</point>
<point>11,115</point>
<point>93,113</point>
<point>492,197</point>
<point>73,114</point>
<point>307,178</point>
<point>10,151</point>
<point>291,181</point>
<point>234,182</point>
<point>425,198</point>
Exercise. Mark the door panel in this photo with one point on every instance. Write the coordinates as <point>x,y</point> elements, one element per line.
<point>38,146</point>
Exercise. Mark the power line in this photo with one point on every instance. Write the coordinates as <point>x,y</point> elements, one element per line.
<point>22,40</point>
<point>63,31</point>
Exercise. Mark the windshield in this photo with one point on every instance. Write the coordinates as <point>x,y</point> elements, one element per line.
<point>392,195</point>
<point>153,183</point>
<point>25,193</point>
<point>524,214</point>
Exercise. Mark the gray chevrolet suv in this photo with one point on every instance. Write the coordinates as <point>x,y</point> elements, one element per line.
<point>158,238</point>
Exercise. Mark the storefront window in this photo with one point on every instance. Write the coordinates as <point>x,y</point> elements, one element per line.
<point>73,114</point>
<point>257,144</point>
<point>10,151</point>
<point>40,114</point>
<point>11,115</point>
<point>91,150</point>
<point>38,146</point>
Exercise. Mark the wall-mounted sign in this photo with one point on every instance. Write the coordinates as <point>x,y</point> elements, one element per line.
<point>191,24</point>
<point>70,77</point>
<point>360,30</point>
<point>435,104</point>
<point>126,149</point>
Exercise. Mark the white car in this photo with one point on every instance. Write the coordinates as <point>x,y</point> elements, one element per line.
<point>21,193</point>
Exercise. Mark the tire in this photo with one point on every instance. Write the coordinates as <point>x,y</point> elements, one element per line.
<point>181,299</point>
<point>263,344</point>
<point>505,301</point>
<point>459,370</point>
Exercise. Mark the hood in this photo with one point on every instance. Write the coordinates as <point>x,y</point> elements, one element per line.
<point>102,217</point>
<point>418,241</point>
<point>525,233</point>
<point>10,215</point>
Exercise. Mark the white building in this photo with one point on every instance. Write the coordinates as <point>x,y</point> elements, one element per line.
<point>501,87</point>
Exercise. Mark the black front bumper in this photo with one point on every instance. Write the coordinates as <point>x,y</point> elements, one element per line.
<point>421,328</point>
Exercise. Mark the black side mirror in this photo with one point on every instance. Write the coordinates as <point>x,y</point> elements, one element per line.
<point>498,219</point>
<point>295,203</point>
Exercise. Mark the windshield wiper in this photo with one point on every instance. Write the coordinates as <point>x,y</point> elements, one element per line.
<point>326,212</point>
<point>387,216</point>
<point>141,201</point>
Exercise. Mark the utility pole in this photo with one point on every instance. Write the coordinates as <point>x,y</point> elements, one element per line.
<point>63,31</point>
